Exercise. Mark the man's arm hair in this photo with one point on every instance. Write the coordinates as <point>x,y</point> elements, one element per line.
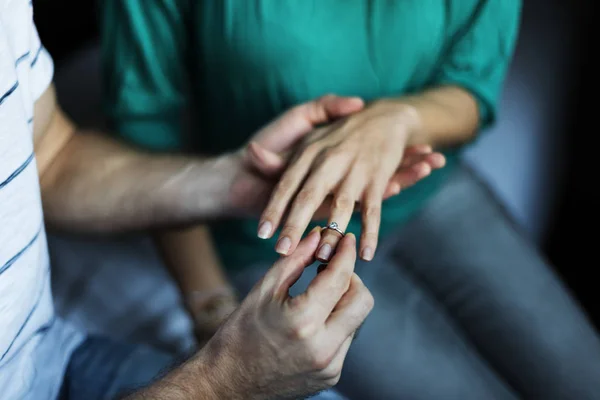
<point>205,375</point>
<point>178,384</point>
<point>91,182</point>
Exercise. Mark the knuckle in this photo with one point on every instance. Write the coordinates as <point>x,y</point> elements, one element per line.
<point>372,211</point>
<point>298,111</point>
<point>320,361</point>
<point>284,186</point>
<point>291,229</point>
<point>369,237</point>
<point>333,154</point>
<point>295,304</point>
<point>317,110</point>
<point>367,162</point>
<point>341,284</point>
<point>333,381</point>
<point>369,300</point>
<point>344,278</point>
<point>325,99</point>
<point>271,213</point>
<point>331,374</point>
<point>343,202</point>
<point>302,331</point>
<point>305,196</point>
<point>296,334</point>
<point>312,149</point>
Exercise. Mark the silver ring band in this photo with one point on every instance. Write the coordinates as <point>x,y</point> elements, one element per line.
<point>335,227</point>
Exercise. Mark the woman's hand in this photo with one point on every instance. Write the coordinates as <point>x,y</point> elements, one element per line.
<point>355,159</point>
<point>257,166</point>
<point>267,155</point>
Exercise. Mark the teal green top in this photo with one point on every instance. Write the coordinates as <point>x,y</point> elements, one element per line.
<point>233,65</point>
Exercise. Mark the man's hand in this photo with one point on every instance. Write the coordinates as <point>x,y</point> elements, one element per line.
<point>277,346</point>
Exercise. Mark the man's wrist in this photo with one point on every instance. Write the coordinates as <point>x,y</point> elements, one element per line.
<point>228,167</point>
<point>190,380</point>
<point>207,382</point>
<point>215,369</point>
<point>206,186</point>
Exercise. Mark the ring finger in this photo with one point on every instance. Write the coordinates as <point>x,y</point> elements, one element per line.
<point>341,212</point>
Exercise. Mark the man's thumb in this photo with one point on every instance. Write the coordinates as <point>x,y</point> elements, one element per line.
<point>266,162</point>
<point>338,107</point>
<point>289,268</point>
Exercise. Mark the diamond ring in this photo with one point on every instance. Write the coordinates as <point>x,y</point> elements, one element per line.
<point>335,227</point>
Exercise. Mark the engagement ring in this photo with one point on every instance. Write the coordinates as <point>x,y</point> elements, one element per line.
<point>335,227</point>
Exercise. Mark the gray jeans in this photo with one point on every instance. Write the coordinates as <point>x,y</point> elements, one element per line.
<point>465,308</point>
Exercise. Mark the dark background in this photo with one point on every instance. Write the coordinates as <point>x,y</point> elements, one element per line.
<point>67,25</point>
<point>571,242</point>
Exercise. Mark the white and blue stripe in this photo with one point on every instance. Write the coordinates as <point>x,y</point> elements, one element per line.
<point>34,344</point>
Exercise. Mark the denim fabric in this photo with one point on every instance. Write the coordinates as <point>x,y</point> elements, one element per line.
<point>103,369</point>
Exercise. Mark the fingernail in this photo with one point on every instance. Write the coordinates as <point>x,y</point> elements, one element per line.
<point>440,160</point>
<point>283,245</point>
<point>264,230</point>
<point>427,169</point>
<point>422,169</point>
<point>367,254</point>
<point>324,252</point>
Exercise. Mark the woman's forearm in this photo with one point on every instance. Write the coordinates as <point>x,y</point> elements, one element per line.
<point>441,117</point>
<point>191,258</point>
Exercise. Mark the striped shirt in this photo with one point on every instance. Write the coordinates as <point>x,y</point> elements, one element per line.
<point>34,345</point>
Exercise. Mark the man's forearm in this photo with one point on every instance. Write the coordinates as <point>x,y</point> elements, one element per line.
<point>98,184</point>
<point>207,375</point>
<point>186,382</point>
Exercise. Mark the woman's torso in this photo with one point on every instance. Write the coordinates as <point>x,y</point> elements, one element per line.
<point>253,59</point>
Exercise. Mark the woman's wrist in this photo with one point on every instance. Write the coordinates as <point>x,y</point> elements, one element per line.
<point>441,117</point>
<point>405,117</point>
<point>201,302</point>
<point>209,309</point>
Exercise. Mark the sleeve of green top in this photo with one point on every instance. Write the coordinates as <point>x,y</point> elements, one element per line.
<point>144,47</point>
<point>482,37</point>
